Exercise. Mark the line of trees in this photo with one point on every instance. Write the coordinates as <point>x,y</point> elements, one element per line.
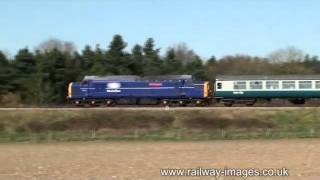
<point>41,76</point>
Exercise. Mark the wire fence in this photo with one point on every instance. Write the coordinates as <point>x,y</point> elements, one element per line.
<point>166,134</point>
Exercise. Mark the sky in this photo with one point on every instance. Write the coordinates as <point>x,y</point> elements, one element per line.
<point>209,27</point>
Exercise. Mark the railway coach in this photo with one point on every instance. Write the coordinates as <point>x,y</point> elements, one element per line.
<point>166,90</point>
<point>247,89</point>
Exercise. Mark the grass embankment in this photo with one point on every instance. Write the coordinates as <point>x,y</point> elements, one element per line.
<point>42,125</point>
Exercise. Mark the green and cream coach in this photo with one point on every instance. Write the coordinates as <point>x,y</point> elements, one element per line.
<point>248,89</point>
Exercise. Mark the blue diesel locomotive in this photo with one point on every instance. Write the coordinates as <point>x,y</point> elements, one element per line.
<point>164,90</point>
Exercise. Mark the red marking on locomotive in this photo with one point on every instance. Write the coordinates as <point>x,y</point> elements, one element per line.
<point>155,84</point>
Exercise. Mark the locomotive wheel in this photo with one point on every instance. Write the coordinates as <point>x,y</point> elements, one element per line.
<point>110,102</point>
<point>93,103</point>
<point>182,103</point>
<point>165,103</point>
<point>199,103</point>
<point>298,101</point>
<point>78,103</point>
<point>228,104</point>
<point>250,103</point>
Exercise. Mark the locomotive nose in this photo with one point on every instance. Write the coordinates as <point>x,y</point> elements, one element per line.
<point>70,90</point>
<point>207,89</point>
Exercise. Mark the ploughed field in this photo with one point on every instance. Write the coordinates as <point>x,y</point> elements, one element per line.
<point>125,160</point>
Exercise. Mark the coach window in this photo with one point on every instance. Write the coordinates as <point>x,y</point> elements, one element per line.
<point>272,84</point>
<point>317,84</point>
<point>255,84</point>
<point>239,85</point>
<point>288,85</point>
<point>305,84</point>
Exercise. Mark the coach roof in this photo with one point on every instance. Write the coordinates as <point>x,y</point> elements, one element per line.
<point>267,77</point>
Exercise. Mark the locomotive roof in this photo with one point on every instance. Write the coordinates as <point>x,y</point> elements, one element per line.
<point>267,77</point>
<point>138,78</point>
<point>168,77</point>
<point>112,78</point>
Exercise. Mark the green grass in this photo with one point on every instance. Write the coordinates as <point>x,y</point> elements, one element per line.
<point>176,125</point>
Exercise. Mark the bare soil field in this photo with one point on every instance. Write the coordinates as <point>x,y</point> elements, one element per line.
<point>142,160</point>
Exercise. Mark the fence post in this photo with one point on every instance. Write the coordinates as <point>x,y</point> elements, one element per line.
<point>268,132</point>
<point>178,134</point>
<point>49,136</point>
<point>93,133</point>
<point>311,132</point>
<point>223,133</point>
<point>136,134</point>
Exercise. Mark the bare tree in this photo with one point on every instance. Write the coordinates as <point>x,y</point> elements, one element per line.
<point>6,53</point>
<point>287,54</point>
<point>53,43</point>
<point>183,53</point>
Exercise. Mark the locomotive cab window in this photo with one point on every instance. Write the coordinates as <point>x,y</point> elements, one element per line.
<point>255,84</point>
<point>288,84</point>
<point>305,84</point>
<point>272,84</point>
<point>239,85</point>
<point>84,83</point>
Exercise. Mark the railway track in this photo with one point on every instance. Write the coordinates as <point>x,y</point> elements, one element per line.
<point>144,108</point>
